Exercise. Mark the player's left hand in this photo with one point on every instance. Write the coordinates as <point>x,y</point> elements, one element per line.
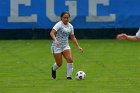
<point>81,49</point>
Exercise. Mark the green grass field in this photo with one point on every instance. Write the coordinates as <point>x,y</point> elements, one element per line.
<point>111,66</point>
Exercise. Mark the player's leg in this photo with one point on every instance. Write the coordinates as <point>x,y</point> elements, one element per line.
<point>57,53</point>
<point>57,64</point>
<point>68,56</point>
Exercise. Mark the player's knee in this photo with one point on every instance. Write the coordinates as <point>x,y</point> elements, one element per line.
<point>69,60</point>
<point>59,64</point>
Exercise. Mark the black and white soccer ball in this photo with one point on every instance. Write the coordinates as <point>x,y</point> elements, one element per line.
<point>80,75</point>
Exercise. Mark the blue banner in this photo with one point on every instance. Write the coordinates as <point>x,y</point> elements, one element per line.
<point>15,14</point>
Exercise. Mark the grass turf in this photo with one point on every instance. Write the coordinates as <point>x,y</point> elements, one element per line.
<point>111,66</point>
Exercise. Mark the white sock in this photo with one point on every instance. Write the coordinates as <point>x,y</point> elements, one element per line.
<point>69,69</point>
<point>55,67</point>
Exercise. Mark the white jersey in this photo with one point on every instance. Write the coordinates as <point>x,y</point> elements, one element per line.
<point>62,33</point>
<point>138,33</point>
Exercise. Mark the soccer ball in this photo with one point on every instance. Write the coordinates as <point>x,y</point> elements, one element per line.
<point>80,75</point>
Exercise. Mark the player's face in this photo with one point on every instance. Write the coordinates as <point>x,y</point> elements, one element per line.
<point>65,18</point>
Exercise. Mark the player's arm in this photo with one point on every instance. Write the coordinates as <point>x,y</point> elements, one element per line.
<point>73,38</point>
<point>127,37</point>
<point>52,34</point>
<point>132,38</point>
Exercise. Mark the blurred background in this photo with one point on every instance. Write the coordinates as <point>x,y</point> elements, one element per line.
<point>92,19</point>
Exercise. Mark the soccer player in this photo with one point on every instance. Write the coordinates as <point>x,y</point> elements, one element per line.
<point>60,47</point>
<point>129,37</point>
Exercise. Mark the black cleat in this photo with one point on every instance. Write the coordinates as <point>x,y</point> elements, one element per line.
<point>53,73</point>
<point>69,78</point>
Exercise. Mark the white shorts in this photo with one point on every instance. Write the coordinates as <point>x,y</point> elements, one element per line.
<point>57,49</point>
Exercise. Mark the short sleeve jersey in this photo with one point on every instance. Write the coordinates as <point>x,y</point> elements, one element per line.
<point>62,32</point>
<point>138,33</point>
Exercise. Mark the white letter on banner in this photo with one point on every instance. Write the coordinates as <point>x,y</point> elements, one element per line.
<point>93,12</point>
<point>72,9</point>
<point>50,12</point>
<point>14,12</point>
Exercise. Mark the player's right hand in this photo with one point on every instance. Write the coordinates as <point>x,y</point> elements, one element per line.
<point>121,36</point>
<point>57,42</point>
